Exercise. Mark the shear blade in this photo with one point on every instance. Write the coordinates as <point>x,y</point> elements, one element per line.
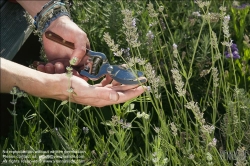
<point>127,76</point>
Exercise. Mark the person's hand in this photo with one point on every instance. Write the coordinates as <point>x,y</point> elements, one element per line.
<point>59,55</point>
<point>102,94</point>
<point>59,66</point>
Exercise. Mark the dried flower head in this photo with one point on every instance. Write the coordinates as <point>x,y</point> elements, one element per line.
<point>204,73</point>
<point>127,125</point>
<point>135,60</point>
<point>202,4</point>
<point>151,10</point>
<point>113,47</point>
<point>126,52</point>
<point>214,40</point>
<point>179,84</point>
<point>197,14</point>
<point>241,158</point>
<point>115,119</point>
<point>173,128</point>
<point>225,26</point>
<point>213,142</point>
<point>196,110</point>
<point>236,3</point>
<point>129,22</point>
<point>161,8</point>
<point>142,115</point>
<point>150,35</point>
<point>157,129</point>
<point>18,92</point>
<point>207,129</point>
<point>223,9</point>
<point>246,41</point>
<point>159,158</point>
<point>73,61</point>
<point>85,130</point>
<point>156,82</point>
<point>209,158</point>
<point>70,90</point>
<point>215,76</point>
<point>191,156</point>
<point>14,90</point>
<point>175,51</point>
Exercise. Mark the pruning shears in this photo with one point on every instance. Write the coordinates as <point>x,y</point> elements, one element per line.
<point>101,65</point>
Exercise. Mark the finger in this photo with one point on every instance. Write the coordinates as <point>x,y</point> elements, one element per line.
<point>64,61</point>
<point>130,94</point>
<point>76,73</point>
<point>37,63</point>
<point>59,68</point>
<point>103,93</point>
<point>77,55</point>
<point>88,44</point>
<point>94,94</point>
<point>49,68</point>
<point>85,61</point>
<point>41,68</point>
<point>115,83</point>
<point>123,87</point>
<point>80,48</point>
<point>105,100</point>
<point>117,96</point>
<point>106,80</point>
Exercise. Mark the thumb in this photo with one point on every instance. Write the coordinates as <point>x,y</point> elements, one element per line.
<point>81,44</point>
<point>77,56</point>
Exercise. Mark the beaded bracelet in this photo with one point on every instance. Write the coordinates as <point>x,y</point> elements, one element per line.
<point>50,12</point>
<point>44,7</point>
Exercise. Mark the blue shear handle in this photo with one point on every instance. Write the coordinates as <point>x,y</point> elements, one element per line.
<point>97,54</point>
<point>102,72</point>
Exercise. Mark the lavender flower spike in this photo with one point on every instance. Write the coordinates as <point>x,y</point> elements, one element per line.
<point>243,6</point>
<point>234,51</point>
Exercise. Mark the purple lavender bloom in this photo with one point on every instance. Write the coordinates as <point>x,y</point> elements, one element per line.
<point>234,51</point>
<point>243,6</point>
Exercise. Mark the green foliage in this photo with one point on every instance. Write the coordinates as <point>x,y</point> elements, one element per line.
<point>240,14</point>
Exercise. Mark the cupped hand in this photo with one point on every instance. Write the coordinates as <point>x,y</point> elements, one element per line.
<point>103,94</point>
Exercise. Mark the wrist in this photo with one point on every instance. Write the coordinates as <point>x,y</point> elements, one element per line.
<point>32,81</point>
<point>63,20</point>
<point>57,86</point>
<point>50,12</point>
<point>33,7</point>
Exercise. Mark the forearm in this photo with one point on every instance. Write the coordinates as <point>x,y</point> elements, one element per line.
<point>31,81</point>
<point>32,6</point>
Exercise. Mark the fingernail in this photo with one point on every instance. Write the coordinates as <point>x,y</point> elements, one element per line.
<point>73,61</point>
<point>113,96</point>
